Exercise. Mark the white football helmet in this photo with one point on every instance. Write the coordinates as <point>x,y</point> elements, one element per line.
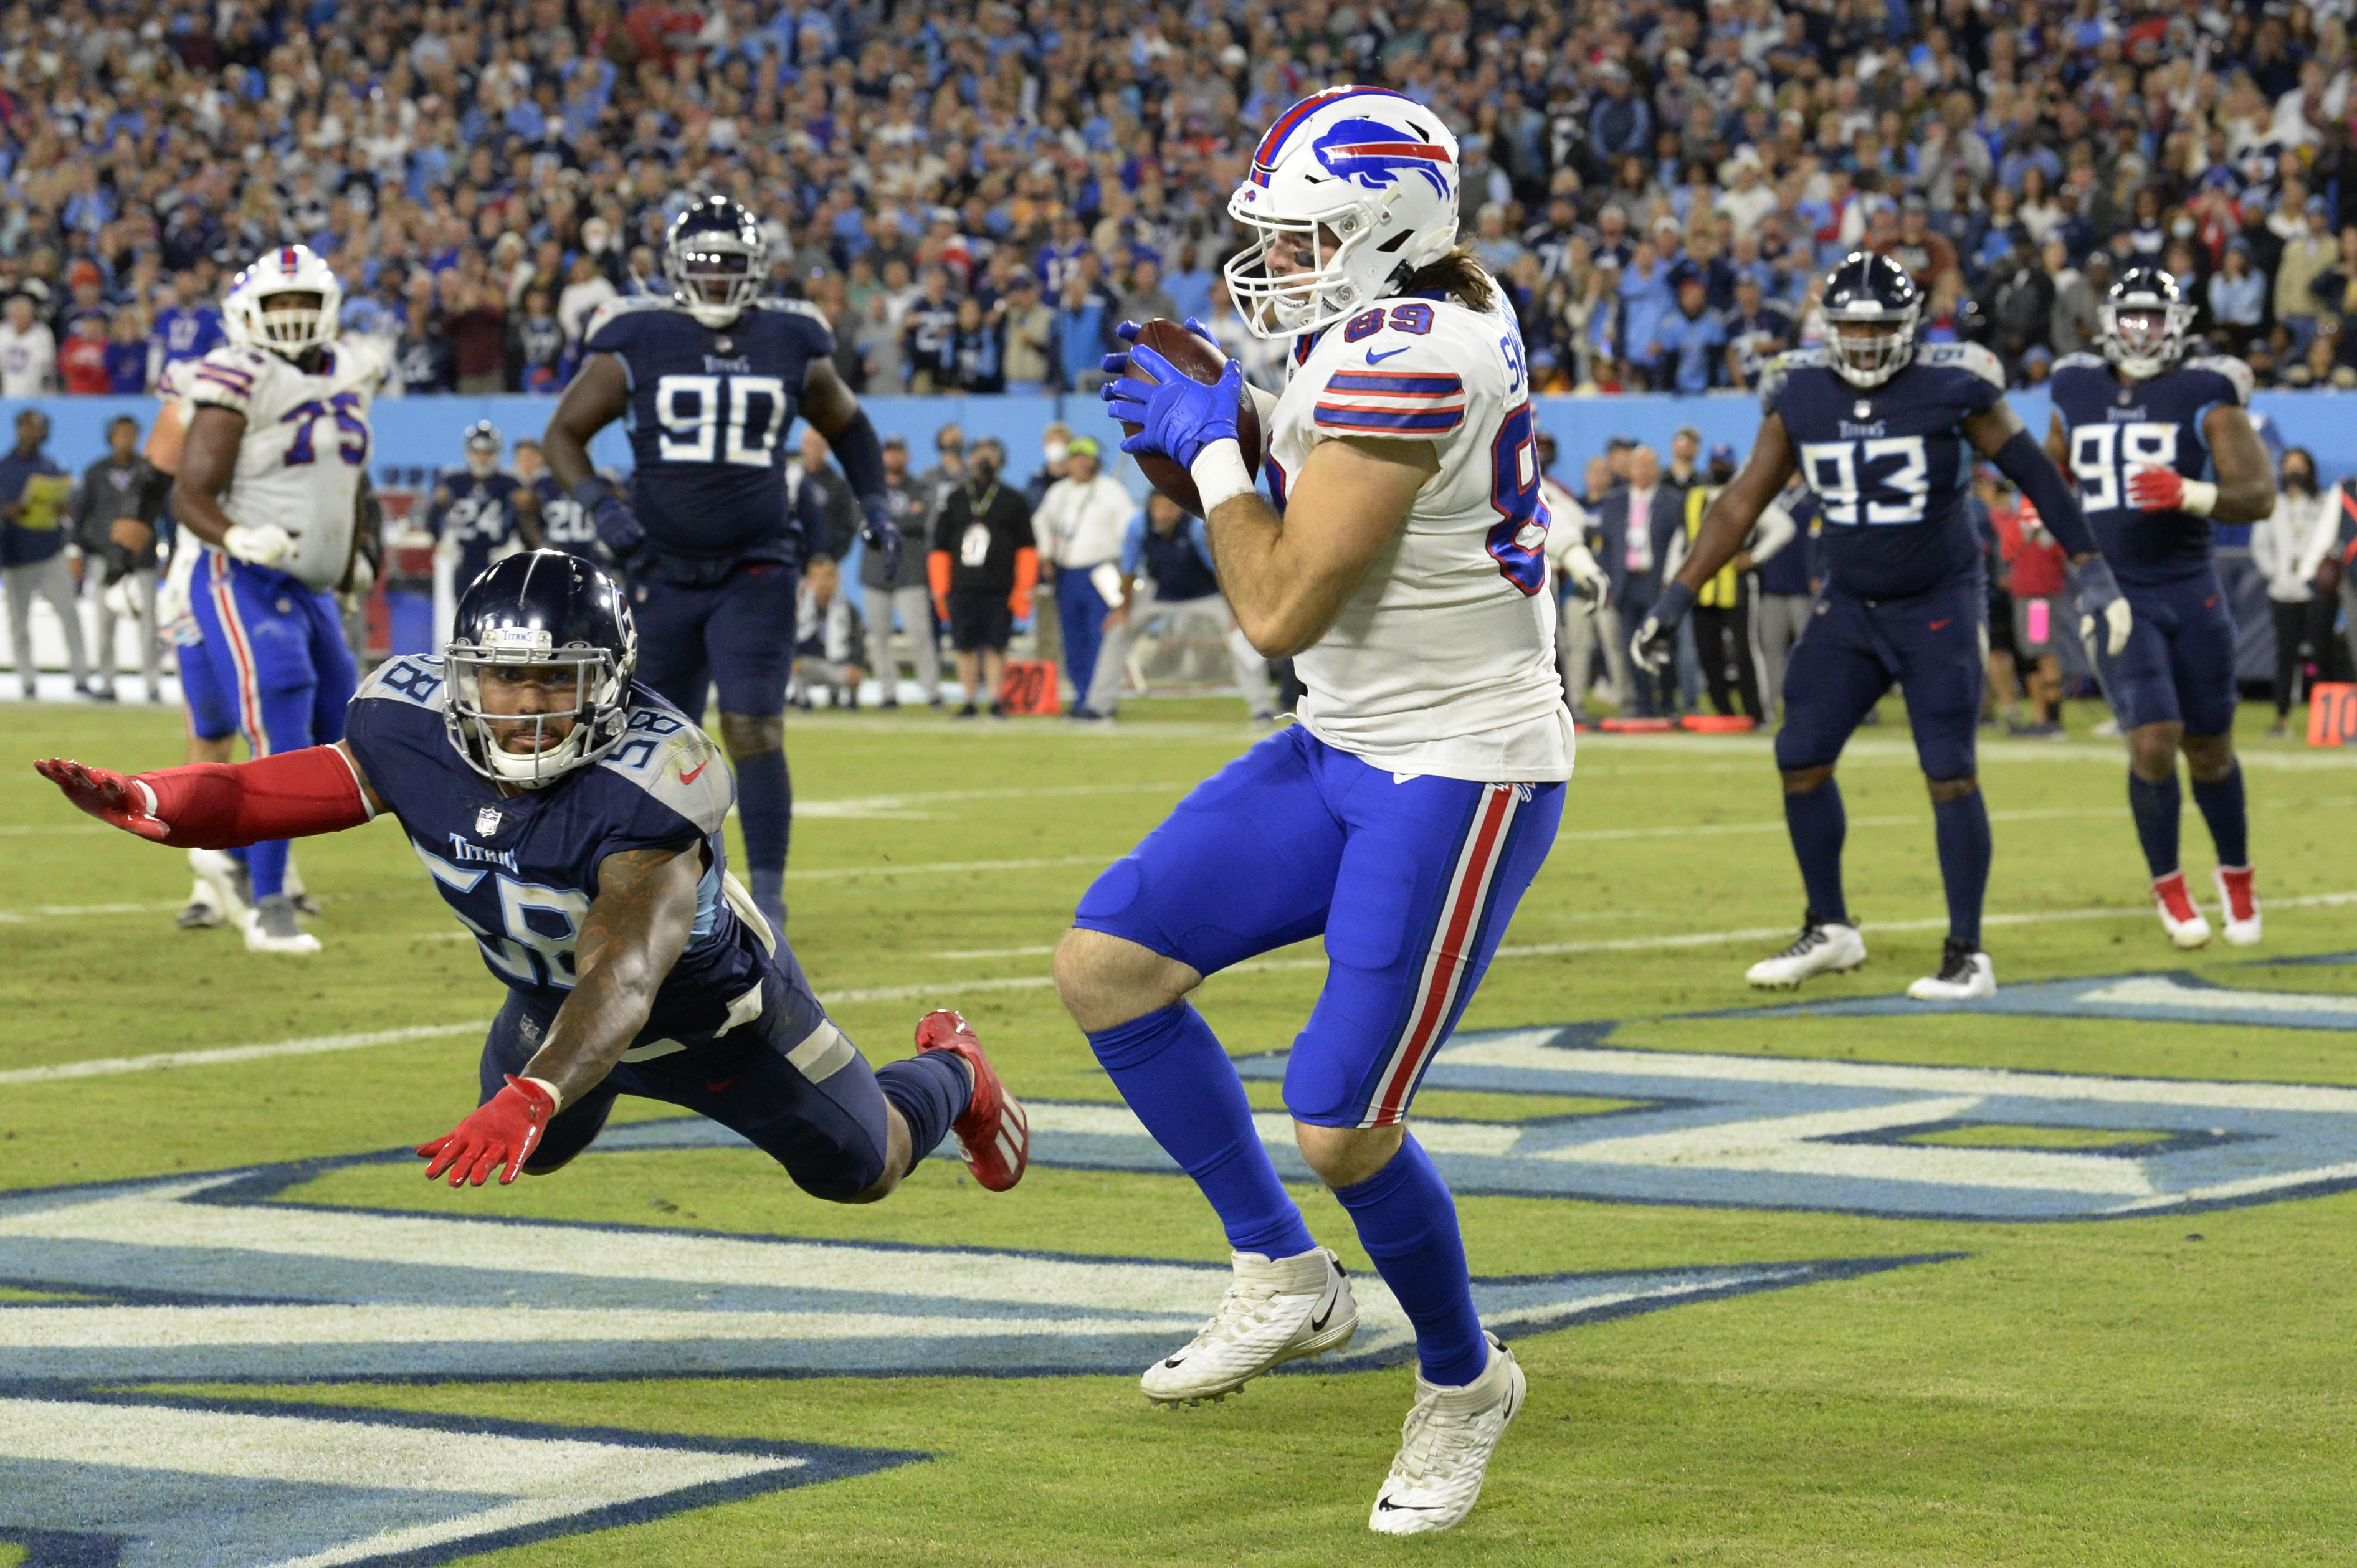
<point>1360,185</point>
<point>290,332</point>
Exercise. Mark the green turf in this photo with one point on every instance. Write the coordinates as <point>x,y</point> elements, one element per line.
<point>2160,1391</point>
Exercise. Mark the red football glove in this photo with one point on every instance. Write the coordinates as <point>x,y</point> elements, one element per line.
<point>111,797</point>
<point>2156,489</point>
<point>502,1131</point>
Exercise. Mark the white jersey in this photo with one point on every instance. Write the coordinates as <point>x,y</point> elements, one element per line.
<point>305,446</point>
<point>1443,662</point>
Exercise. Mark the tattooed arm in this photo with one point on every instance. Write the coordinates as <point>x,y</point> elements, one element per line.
<point>637,926</point>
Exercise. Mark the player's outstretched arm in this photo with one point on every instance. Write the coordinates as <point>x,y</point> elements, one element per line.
<point>225,805</point>
<point>1726,523</point>
<point>1287,578</point>
<point>597,397</point>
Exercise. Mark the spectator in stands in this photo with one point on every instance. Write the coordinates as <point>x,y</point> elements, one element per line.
<point>902,594</point>
<point>2237,296</point>
<point>1078,529</point>
<point>973,364</point>
<point>115,509</point>
<point>1689,342</point>
<point>1758,330</point>
<point>537,352</point>
<point>1029,329</point>
<point>33,492</point>
<point>983,566</point>
<point>28,351</point>
<point>476,326</point>
<point>187,325</point>
<point>929,329</point>
<point>2078,295</point>
<point>826,638</point>
<point>126,356</point>
<point>2309,254</point>
<point>81,361</point>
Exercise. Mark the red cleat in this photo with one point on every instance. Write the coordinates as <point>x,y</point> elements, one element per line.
<point>994,1134</point>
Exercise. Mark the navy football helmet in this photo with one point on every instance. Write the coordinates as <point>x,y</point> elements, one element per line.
<point>1871,309</point>
<point>539,638</point>
<point>483,445</point>
<point>716,258</point>
<point>2143,321</point>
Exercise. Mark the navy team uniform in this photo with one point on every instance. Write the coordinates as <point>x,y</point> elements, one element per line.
<point>2178,664</point>
<point>477,515</point>
<point>1904,592</point>
<point>713,587</point>
<point>565,524</point>
<point>734,1033</point>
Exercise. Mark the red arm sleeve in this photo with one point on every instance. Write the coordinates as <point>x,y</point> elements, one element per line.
<point>225,805</point>
<point>1026,578</point>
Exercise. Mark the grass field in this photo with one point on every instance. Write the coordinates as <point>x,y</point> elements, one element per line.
<point>2165,1390</point>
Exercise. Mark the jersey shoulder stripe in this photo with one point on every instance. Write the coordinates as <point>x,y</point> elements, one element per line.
<point>227,378</point>
<point>1355,420</point>
<point>1969,357</point>
<point>2080,361</point>
<point>2233,371</point>
<point>795,307</point>
<point>615,311</point>
<point>1780,370</point>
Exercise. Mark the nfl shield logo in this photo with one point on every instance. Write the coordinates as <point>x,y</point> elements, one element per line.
<point>1862,409</point>
<point>487,821</point>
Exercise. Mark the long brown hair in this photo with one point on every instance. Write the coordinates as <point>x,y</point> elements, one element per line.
<point>1455,273</point>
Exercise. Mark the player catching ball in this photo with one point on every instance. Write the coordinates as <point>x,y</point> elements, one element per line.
<point>572,820</point>
<point>1886,431</point>
<point>1402,569</point>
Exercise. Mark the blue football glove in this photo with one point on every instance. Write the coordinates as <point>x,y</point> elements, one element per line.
<point>882,534</point>
<point>1178,415</point>
<point>617,529</point>
<point>2100,599</point>
<point>1655,643</point>
<point>1117,365</point>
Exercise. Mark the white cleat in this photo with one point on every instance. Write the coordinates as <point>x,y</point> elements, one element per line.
<point>1822,947</point>
<point>1966,975</point>
<point>272,928</point>
<point>1445,1447</point>
<point>229,889</point>
<point>1275,1310</point>
<point>2242,903</point>
<point>2181,917</point>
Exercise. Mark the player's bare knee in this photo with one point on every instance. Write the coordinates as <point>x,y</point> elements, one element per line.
<point>1952,788</point>
<point>2209,758</point>
<point>1106,981</point>
<point>1345,1156</point>
<point>1801,781</point>
<point>750,734</point>
<point>2152,751</point>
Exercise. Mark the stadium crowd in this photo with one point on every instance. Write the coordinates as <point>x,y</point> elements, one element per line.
<point>978,193</point>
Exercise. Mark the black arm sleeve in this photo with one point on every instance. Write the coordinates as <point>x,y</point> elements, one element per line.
<point>862,456</point>
<point>2023,461</point>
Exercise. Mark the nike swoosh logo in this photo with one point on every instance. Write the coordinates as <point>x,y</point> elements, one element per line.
<point>1174,1361</point>
<point>1938,623</point>
<point>723,1083</point>
<point>690,777</point>
<point>1317,1323</point>
<point>1387,1506</point>
<point>1375,358</point>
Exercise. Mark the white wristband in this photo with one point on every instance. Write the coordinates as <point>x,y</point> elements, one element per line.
<point>2201,497</point>
<point>1220,474</point>
<point>550,1090</point>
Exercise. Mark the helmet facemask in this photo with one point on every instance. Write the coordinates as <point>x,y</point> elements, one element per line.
<point>2143,338</point>
<point>1315,295</point>
<point>587,691</point>
<point>1867,347</point>
<point>714,277</point>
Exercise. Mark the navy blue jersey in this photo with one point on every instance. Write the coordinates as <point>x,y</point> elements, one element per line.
<point>563,524</point>
<point>707,417</point>
<point>2112,427</point>
<point>1890,465</point>
<point>1789,571</point>
<point>477,515</point>
<point>520,870</point>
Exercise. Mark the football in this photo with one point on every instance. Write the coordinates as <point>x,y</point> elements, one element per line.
<point>1201,360</point>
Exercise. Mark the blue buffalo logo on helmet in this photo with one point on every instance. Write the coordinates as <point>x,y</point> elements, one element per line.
<point>1372,154</point>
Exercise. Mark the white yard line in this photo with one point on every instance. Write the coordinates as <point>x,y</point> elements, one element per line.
<point>107,1067</point>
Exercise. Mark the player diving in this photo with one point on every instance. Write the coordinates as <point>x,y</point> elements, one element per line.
<point>2137,427</point>
<point>1402,566</point>
<point>272,477</point>
<point>709,381</point>
<point>571,820</point>
<point>1883,428</point>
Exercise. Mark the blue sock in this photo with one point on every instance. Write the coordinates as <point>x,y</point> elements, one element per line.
<point>1169,1066</point>
<point>1407,1223</point>
<point>2155,808</point>
<point>1961,828</point>
<point>765,809</point>
<point>1818,824</point>
<point>930,1091</point>
<point>240,855</point>
<point>266,863</point>
<point>2230,826</point>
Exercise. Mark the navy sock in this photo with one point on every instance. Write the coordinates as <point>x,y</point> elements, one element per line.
<point>764,809</point>
<point>266,863</point>
<point>1818,824</point>
<point>2155,808</point>
<point>1407,1223</point>
<point>1169,1066</point>
<point>1961,828</point>
<point>930,1091</point>
<point>2222,808</point>
<point>239,854</point>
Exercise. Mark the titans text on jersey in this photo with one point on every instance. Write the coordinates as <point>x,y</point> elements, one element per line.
<point>707,416</point>
<point>1891,465</point>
